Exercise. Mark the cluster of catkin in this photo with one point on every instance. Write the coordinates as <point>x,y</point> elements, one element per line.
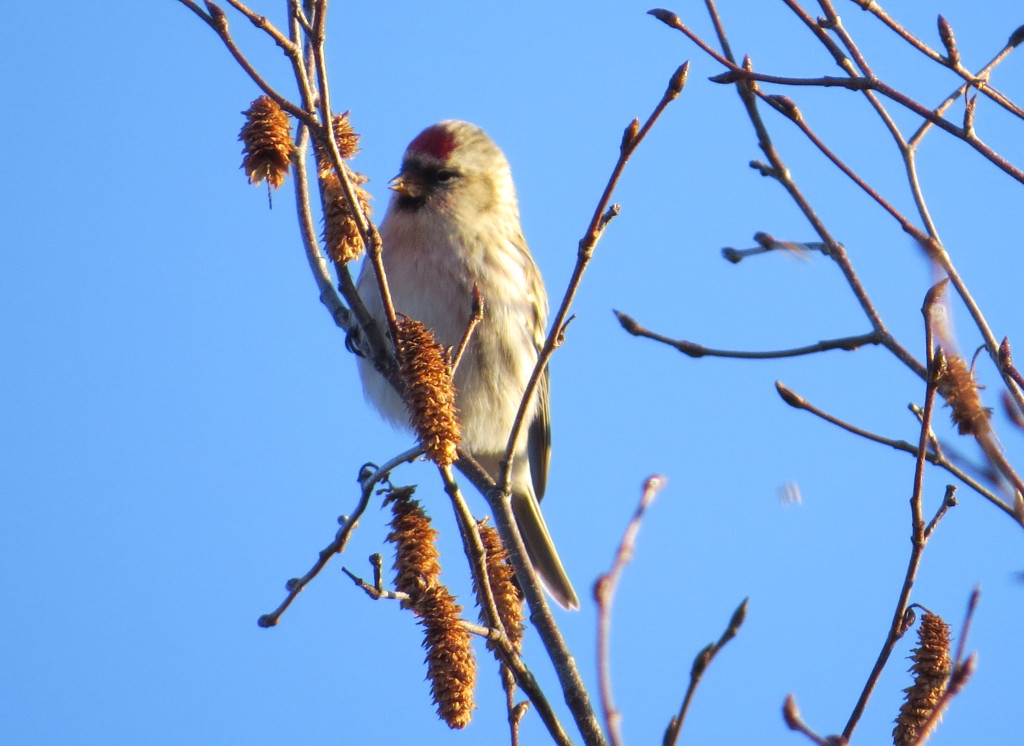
<point>931,669</point>
<point>451,665</point>
<point>267,154</point>
<point>424,365</point>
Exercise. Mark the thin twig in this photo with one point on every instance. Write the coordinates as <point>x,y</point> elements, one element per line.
<point>700,665</point>
<point>604,594</point>
<point>929,240</point>
<point>317,262</point>
<point>217,20</point>
<point>569,678</point>
<point>747,93</point>
<point>474,550</point>
<point>376,591</point>
<point>368,482</point>
<point>967,135</point>
<point>603,214</point>
<point>768,243</point>
<point>977,80</point>
<point>918,536</point>
<point>972,607</point>
<point>476,315</point>
<point>263,23</point>
<point>798,402</point>
<point>696,350</point>
<point>477,557</point>
<point>498,495</point>
<point>791,714</point>
<point>948,501</point>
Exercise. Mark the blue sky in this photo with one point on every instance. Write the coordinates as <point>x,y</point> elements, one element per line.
<point>183,425</point>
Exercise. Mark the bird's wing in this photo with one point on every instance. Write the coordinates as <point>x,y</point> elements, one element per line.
<point>539,439</point>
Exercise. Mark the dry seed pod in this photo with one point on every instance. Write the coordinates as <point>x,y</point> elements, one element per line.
<point>346,137</point>
<point>429,391</point>
<point>341,236</point>
<point>957,386</point>
<point>507,597</point>
<point>451,665</point>
<point>417,568</point>
<point>266,136</point>
<point>931,669</point>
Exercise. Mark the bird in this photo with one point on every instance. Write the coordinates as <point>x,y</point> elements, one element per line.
<point>453,224</point>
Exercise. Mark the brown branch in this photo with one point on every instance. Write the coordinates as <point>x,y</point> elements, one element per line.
<point>791,714</point>
<point>476,554</point>
<point>342,316</point>
<point>498,495</point>
<point>603,214</point>
<point>377,590</point>
<point>767,242</point>
<point>368,480</point>
<point>476,315</point>
<point>865,81</point>
<point>604,594</point>
<point>836,251</point>
<point>700,665</point>
<point>930,240</point>
<point>569,678</point>
<point>789,109</point>
<point>734,75</point>
<point>263,24</point>
<point>918,535</point>
<point>933,457</point>
<point>972,607</point>
<point>977,80</point>
<point>217,20</point>
<point>695,350</point>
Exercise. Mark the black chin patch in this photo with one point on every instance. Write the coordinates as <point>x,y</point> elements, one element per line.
<point>407,203</point>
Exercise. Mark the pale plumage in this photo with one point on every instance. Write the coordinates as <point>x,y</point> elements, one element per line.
<point>452,222</point>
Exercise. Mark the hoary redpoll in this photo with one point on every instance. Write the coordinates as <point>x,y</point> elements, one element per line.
<point>453,223</point>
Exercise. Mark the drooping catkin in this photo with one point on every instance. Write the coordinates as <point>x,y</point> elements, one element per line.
<point>346,137</point>
<point>502,579</point>
<point>957,386</point>
<point>341,236</point>
<point>931,669</point>
<point>417,567</point>
<point>451,664</point>
<point>430,392</point>
<point>267,142</point>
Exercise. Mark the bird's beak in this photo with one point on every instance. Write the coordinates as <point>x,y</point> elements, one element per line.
<point>407,186</point>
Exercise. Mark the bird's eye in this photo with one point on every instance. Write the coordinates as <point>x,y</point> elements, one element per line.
<point>446,176</point>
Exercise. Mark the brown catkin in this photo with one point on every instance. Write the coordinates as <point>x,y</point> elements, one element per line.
<point>931,668</point>
<point>341,236</point>
<point>502,578</point>
<point>267,142</point>
<point>346,137</point>
<point>957,386</point>
<point>429,391</point>
<point>451,665</point>
<point>417,567</point>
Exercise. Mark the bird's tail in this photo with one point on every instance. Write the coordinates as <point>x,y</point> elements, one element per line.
<point>540,550</point>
